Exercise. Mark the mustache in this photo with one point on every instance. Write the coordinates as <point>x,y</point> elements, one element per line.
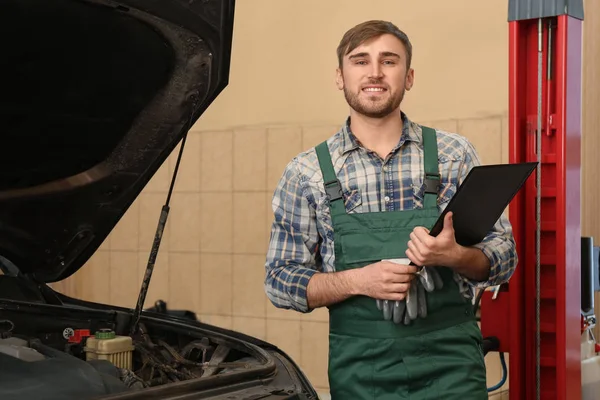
<point>375,82</point>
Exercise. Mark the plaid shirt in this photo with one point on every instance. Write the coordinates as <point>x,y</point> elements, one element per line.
<point>302,222</point>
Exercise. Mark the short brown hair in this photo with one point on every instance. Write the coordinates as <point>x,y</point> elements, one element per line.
<point>370,30</point>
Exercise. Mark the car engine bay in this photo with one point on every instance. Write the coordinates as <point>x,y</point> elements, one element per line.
<point>61,356</point>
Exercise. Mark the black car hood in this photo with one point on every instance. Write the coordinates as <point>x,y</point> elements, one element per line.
<point>95,95</point>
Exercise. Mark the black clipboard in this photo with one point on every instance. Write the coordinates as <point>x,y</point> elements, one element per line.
<point>482,198</point>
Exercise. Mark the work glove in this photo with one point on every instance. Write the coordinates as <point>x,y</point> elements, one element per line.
<point>463,287</point>
<point>415,303</point>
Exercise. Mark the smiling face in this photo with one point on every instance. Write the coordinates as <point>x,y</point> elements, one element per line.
<point>374,76</point>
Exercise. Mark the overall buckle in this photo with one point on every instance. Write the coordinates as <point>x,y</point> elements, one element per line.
<point>333,190</point>
<point>432,183</point>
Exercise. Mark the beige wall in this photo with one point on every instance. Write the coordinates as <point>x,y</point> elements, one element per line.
<point>281,100</point>
<point>590,212</point>
<point>284,60</point>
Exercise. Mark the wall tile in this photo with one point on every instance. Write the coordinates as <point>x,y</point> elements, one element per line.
<point>283,144</point>
<point>216,297</point>
<point>313,135</point>
<point>249,298</point>
<point>250,159</point>
<point>318,315</point>
<point>124,278</point>
<point>222,321</point>
<point>184,281</point>
<point>150,208</point>
<point>315,351</point>
<point>94,279</point>
<point>249,233</point>
<point>125,235</point>
<point>184,222</point>
<point>275,313</point>
<point>216,230</point>
<point>188,175</point>
<point>216,163</point>
<point>69,285</point>
<point>448,125</point>
<point>286,336</point>
<point>255,327</point>
<point>485,135</point>
<point>159,283</point>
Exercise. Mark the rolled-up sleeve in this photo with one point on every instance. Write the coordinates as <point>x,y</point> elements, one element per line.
<point>499,244</point>
<point>293,243</point>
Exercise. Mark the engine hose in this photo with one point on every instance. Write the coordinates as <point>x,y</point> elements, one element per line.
<point>504,375</point>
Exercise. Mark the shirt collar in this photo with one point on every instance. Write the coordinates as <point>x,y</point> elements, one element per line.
<point>409,133</point>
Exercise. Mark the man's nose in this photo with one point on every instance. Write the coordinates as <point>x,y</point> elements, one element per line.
<point>375,71</point>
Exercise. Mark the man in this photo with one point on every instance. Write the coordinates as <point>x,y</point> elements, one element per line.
<point>369,194</point>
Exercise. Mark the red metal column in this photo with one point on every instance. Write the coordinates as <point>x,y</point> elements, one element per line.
<point>560,308</point>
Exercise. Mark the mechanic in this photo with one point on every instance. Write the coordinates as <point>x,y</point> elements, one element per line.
<point>366,196</point>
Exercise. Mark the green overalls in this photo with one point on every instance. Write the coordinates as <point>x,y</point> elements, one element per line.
<point>436,357</point>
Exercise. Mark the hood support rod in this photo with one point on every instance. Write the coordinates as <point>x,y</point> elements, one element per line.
<point>162,222</point>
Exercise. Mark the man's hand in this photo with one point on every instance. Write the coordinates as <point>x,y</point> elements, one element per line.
<point>382,280</point>
<point>386,280</point>
<point>444,251</point>
<point>426,250</point>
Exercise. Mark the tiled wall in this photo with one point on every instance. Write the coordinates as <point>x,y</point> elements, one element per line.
<point>212,256</point>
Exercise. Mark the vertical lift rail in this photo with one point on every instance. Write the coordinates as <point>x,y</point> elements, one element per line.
<point>537,315</point>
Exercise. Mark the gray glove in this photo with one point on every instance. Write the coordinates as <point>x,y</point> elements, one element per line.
<point>415,304</point>
<point>463,287</point>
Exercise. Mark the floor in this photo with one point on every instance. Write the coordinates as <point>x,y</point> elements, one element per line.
<point>501,395</point>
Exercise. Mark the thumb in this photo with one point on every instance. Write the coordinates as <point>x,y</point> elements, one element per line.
<point>448,225</point>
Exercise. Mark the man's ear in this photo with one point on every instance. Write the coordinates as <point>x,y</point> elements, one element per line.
<point>339,79</point>
<point>410,79</point>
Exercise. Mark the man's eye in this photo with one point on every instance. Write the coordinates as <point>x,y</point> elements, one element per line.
<point>361,62</point>
<point>389,62</point>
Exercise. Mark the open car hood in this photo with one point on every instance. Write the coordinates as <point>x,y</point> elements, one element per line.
<point>95,96</point>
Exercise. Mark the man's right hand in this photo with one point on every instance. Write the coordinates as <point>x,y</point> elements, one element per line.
<point>385,280</point>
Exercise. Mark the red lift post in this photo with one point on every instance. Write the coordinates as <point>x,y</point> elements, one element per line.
<point>537,318</point>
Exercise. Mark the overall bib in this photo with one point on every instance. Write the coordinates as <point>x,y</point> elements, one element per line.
<point>436,357</point>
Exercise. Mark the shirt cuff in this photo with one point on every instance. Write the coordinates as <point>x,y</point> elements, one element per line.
<point>494,267</point>
<point>297,284</point>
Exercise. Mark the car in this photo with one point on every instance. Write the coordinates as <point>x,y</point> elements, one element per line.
<point>96,95</point>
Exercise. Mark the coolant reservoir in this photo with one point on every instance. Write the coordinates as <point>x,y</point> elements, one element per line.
<point>106,345</point>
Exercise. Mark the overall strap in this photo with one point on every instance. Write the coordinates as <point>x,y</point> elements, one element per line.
<point>333,187</point>
<point>432,174</point>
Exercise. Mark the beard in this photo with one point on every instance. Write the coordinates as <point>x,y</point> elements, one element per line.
<point>374,106</point>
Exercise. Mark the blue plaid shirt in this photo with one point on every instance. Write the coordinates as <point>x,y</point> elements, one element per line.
<point>301,241</point>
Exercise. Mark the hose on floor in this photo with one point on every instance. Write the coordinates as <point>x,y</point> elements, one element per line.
<point>504,375</point>
<point>492,344</point>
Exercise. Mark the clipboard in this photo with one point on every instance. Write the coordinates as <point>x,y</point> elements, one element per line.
<point>482,198</point>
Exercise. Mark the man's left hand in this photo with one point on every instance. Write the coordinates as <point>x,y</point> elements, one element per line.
<point>426,250</point>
